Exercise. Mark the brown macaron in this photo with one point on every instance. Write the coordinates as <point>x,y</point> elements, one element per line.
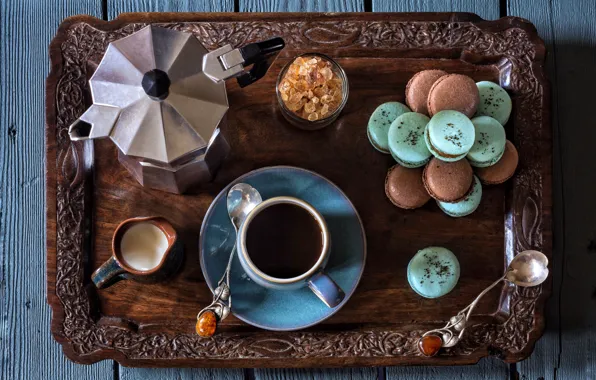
<point>448,181</point>
<point>503,169</point>
<point>404,187</point>
<point>418,88</point>
<point>454,92</point>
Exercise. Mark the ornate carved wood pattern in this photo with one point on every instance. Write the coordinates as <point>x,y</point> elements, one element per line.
<point>523,231</point>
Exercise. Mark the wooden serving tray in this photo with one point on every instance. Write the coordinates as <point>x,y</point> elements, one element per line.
<point>89,193</point>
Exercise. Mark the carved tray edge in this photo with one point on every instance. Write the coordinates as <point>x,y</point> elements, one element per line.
<point>51,182</point>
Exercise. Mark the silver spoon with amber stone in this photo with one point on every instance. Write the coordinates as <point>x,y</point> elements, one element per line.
<point>529,268</point>
<point>241,200</point>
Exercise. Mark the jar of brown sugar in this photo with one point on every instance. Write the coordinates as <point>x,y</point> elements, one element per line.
<point>312,90</point>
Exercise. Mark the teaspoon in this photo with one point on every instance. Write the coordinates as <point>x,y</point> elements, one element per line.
<point>241,200</point>
<point>529,268</point>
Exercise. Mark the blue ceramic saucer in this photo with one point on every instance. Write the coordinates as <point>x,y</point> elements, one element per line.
<point>291,309</point>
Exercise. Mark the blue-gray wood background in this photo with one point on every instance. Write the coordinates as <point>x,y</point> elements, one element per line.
<point>566,351</point>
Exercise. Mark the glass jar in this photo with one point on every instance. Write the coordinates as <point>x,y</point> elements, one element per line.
<point>301,122</point>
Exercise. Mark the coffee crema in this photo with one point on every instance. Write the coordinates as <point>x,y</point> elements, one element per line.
<point>284,240</point>
<point>143,246</point>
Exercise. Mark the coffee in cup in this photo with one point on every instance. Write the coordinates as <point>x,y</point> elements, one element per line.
<point>284,240</point>
<point>284,244</point>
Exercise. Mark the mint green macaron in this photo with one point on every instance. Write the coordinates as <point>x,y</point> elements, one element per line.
<point>379,123</point>
<point>490,142</point>
<point>467,205</point>
<point>406,140</point>
<point>494,101</point>
<point>433,272</point>
<point>449,135</point>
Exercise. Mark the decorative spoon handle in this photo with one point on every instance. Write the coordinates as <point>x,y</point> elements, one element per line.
<point>241,200</point>
<point>219,309</point>
<point>451,333</point>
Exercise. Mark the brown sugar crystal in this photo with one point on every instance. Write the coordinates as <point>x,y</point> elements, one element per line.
<point>310,88</point>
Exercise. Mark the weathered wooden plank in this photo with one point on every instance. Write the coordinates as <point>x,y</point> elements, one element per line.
<point>487,9</point>
<point>316,374</point>
<point>301,6</point>
<point>567,350</point>
<point>179,374</point>
<point>115,7</point>
<point>28,351</point>
<point>489,368</point>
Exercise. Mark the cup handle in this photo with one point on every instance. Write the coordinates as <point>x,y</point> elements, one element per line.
<point>326,289</point>
<point>107,274</point>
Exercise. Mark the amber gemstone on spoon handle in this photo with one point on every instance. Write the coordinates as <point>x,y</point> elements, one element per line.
<point>430,345</point>
<point>206,324</point>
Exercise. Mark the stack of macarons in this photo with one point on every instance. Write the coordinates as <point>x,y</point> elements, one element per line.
<point>450,124</point>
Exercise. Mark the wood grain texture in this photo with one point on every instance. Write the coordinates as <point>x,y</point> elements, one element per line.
<point>498,368</point>
<point>487,9</point>
<point>545,361</point>
<point>567,350</point>
<point>306,6</point>
<point>488,368</point>
<point>301,5</point>
<point>316,374</point>
<point>526,203</point>
<point>530,11</point>
<point>26,347</point>
<point>179,374</point>
<point>115,7</point>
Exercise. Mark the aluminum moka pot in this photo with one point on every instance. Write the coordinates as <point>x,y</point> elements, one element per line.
<point>160,95</point>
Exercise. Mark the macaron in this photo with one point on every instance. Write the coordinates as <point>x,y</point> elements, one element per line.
<point>404,187</point>
<point>406,140</point>
<point>433,272</point>
<point>494,101</point>
<point>379,123</point>
<point>448,181</point>
<point>467,205</point>
<point>449,135</point>
<point>454,92</point>
<point>489,144</point>
<point>503,169</point>
<point>418,88</point>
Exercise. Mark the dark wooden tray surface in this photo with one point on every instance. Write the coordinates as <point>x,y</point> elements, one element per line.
<point>89,193</point>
